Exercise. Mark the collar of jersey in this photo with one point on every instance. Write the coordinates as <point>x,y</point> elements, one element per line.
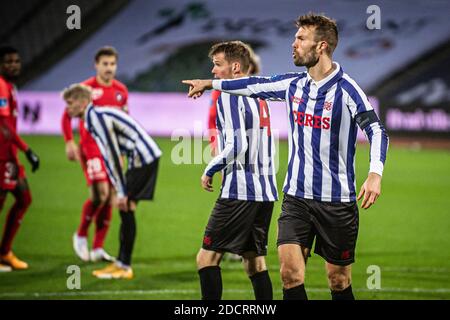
<point>86,113</point>
<point>325,84</point>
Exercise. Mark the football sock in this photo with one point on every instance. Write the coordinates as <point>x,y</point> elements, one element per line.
<point>211,283</point>
<point>295,293</point>
<point>14,219</point>
<point>127,236</point>
<point>102,221</point>
<point>346,294</point>
<point>262,285</point>
<point>87,214</point>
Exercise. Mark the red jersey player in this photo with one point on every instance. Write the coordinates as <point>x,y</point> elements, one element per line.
<point>106,92</point>
<point>12,173</point>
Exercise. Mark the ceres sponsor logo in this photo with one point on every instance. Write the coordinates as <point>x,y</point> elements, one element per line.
<point>309,120</point>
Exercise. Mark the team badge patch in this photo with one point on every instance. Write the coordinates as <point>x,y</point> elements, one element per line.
<point>207,240</point>
<point>327,105</point>
<point>97,93</point>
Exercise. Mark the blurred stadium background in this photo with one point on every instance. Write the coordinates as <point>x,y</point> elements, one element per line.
<point>404,67</point>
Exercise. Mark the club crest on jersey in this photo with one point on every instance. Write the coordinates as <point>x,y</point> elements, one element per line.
<point>297,100</point>
<point>97,93</point>
<point>327,106</point>
<point>119,97</point>
<point>3,102</point>
<point>207,240</point>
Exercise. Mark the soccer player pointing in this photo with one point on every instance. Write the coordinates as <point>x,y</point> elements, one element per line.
<point>324,105</point>
<point>240,220</point>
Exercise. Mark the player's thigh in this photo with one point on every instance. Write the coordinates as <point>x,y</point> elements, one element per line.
<point>293,256</point>
<point>337,227</point>
<point>295,224</point>
<point>229,226</point>
<point>100,191</point>
<point>10,172</point>
<point>94,169</point>
<point>112,196</point>
<point>339,277</point>
<point>259,215</point>
<point>293,259</point>
<point>22,184</point>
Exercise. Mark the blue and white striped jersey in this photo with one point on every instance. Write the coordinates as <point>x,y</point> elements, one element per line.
<point>322,120</point>
<point>246,150</point>
<point>117,133</point>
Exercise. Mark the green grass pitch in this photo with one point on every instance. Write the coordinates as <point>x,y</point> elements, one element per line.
<point>406,233</point>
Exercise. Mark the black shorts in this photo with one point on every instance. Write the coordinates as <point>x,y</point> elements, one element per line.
<point>141,181</point>
<point>333,224</point>
<point>238,226</point>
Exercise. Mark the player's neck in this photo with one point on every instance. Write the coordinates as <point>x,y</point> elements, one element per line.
<point>83,113</point>
<point>238,75</point>
<point>101,82</point>
<point>322,69</point>
<point>8,79</point>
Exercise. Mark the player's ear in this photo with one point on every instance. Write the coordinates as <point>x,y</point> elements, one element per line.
<point>323,46</point>
<point>236,67</point>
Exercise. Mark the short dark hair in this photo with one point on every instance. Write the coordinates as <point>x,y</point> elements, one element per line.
<point>233,51</point>
<point>106,51</point>
<point>4,50</point>
<point>325,28</point>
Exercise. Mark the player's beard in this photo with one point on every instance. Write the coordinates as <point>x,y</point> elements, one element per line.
<point>309,60</point>
<point>12,76</point>
<point>107,76</point>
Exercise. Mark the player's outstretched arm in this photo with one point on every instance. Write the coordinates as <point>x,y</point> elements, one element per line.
<point>197,87</point>
<point>272,88</point>
<point>371,190</point>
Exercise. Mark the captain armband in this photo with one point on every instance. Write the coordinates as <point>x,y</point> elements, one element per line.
<point>365,119</point>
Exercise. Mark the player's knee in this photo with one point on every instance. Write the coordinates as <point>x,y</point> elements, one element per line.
<point>252,269</point>
<point>254,265</point>
<point>103,198</point>
<point>291,275</point>
<point>100,199</point>
<point>206,259</point>
<point>200,260</point>
<point>338,281</point>
<point>24,199</point>
<point>27,199</point>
